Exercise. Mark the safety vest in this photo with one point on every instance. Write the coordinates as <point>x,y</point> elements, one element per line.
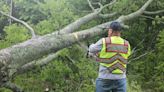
<point>114,54</point>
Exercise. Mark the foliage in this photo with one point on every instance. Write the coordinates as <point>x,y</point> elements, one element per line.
<point>14,34</point>
<point>133,86</point>
<point>148,71</point>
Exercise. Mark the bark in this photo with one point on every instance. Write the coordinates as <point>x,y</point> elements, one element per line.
<point>30,66</point>
<point>75,25</point>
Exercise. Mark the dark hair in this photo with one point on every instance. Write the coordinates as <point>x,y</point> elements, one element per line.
<point>115,26</point>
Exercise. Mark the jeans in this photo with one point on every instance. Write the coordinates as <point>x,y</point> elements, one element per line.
<point>107,85</point>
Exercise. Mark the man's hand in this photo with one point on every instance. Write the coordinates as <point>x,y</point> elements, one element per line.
<point>91,55</point>
<point>94,57</point>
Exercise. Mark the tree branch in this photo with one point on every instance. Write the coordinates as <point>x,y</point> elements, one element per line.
<point>153,12</point>
<point>42,62</point>
<point>109,4</point>
<point>135,14</point>
<point>22,22</point>
<point>139,57</point>
<point>90,5</point>
<point>75,25</point>
<point>149,17</point>
<point>133,50</point>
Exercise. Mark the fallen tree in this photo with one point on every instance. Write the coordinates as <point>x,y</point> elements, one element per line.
<point>19,55</point>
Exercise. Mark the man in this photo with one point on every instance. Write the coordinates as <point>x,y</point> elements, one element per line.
<point>112,53</point>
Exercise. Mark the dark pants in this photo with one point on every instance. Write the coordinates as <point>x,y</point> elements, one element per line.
<point>107,85</point>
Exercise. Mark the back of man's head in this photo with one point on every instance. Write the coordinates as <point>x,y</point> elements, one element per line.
<point>115,26</point>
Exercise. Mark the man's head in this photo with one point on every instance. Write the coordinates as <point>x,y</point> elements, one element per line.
<point>115,29</point>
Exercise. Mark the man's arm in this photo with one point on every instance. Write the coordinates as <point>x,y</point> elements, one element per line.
<point>95,48</point>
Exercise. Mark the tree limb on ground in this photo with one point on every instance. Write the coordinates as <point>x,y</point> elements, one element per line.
<point>30,66</point>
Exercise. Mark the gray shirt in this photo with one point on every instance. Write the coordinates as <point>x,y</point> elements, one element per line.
<point>103,72</point>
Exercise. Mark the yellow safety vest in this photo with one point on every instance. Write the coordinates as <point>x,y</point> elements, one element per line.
<point>114,54</point>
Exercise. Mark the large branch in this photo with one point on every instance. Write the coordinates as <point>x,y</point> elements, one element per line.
<point>22,22</point>
<point>34,64</point>
<point>107,15</point>
<point>75,25</point>
<point>42,62</point>
<point>135,14</point>
<point>96,13</point>
<point>33,49</point>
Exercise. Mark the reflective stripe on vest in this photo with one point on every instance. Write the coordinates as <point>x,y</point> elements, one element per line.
<point>114,58</point>
<point>119,48</point>
<point>117,66</point>
<point>114,61</point>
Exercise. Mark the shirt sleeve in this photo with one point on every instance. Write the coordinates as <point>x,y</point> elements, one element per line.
<point>95,48</point>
